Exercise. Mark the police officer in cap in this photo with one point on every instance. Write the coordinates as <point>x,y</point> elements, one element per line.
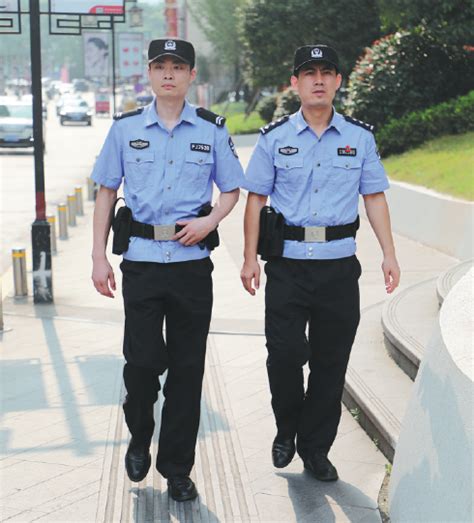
<point>313,165</point>
<point>168,156</point>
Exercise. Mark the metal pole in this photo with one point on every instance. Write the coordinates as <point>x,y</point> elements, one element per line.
<point>113,66</point>
<point>40,229</point>
<point>79,201</point>
<point>71,210</point>
<point>19,272</point>
<point>90,189</point>
<point>52,223</point>
<point>62,220</point>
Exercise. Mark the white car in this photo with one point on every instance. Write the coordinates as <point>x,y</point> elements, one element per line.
<point>16,123</point>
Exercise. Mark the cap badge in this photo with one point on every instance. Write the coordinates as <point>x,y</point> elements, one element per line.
<point>170,45</point>
<point>316,53</point>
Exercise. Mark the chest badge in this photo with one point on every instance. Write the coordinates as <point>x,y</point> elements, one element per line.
<point>347,151</point>
<point>203,147</point>
<point>288,150</point>
<point>139,144</point>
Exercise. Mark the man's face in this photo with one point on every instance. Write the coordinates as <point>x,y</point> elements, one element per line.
<point>170,78</point>
<point>316,84</point>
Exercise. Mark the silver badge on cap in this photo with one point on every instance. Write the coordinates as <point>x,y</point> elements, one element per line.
<point>170,45</point>
<point>316,53</point>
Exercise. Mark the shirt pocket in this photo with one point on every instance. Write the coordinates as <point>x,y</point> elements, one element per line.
<point>197,169</point>
<point>288,170</point>
<point>139,168</point>
<point>345,170</point>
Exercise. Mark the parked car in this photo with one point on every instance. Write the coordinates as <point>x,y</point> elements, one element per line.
<point>16,123</point>
<point>64,99</point>
<point>76,111</point>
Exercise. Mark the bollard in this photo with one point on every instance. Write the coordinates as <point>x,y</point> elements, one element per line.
<point>71,210</point>
<point>79,201</point>
<point>62,220</point>
<point>90,189</point>
<point>19,272</point>
<point>52,223</point>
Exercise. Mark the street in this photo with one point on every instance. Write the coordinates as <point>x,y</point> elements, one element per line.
<point>70,151</point>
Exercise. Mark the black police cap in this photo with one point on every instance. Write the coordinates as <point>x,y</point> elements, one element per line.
<point>171,47</point>
<point>315,53</point>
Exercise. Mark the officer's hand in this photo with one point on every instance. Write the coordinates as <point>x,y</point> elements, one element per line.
<point>250,271</point>
<point>102,276</point>
<point>391,273</point>
<point>194,230</point>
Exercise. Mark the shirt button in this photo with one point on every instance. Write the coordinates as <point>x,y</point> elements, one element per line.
<point>138,159</point>
<point>287,166</point>
<point>168,254</point>
<point>315,213</point>
<point>167,212</point>
<point>310,249</point>
<point>200,160</point>
<point>171,135</point>
<point>171,162</point>
<point>318,165</point>
<point>169,187</point>
<point>316,190</point>
<point>310,254</point>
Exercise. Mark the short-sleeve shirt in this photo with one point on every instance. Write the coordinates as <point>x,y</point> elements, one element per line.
<point>168,175</point>
<point>316,181</point>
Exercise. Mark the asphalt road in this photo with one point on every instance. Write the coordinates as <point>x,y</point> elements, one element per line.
<point>70,154</point>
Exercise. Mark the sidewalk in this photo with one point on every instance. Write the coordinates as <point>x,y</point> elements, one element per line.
<point>63,435</point>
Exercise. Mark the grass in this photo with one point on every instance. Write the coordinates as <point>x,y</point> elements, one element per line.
<point>227,109</point>
<point>445,165</point>
<point>237,122</point>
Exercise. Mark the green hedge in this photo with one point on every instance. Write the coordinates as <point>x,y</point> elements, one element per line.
<point>451,117</point>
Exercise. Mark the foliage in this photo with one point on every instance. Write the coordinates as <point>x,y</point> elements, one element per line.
<point>443,164</point>
<point>288,103</point>
<point>270,32</point>
<point>404,72</point>
<point>266,107</point>
<point>452,117</point>
<point>241,124</point>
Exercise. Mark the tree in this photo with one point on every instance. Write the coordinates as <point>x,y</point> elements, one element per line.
<point>270,32</point>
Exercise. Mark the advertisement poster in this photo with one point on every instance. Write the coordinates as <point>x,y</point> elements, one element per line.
<point>130,54</point>
<point>96,54</point>
<point>87,7</point>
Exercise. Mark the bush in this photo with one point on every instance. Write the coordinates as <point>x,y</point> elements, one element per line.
<point>241,124</point>
<point>404,72</point>
<point>266,107</point>
<point>452,117</point>
<point>288,103</point>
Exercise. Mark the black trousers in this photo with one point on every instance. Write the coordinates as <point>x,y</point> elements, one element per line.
<point>179,294</point>
<point>324,295</point>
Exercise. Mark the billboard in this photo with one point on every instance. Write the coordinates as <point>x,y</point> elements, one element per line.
<point>96,54</point>
<point>131,54</point>
<point>88,7</point>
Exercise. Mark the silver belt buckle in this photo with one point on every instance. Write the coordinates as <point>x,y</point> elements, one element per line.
<point>315,234</point>
<point>163,232</point>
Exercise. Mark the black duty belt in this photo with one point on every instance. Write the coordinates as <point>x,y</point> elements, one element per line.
<point>154,232</point>
<point>321,234</point>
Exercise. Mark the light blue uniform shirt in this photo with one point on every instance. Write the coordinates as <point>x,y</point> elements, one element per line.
<point>168,175</point>
<point>316,181</point>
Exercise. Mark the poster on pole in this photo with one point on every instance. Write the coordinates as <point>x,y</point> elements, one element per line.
<point>96,54</point>
<point>9,6</point>
<point>130,54</point>
<point>87,7</point>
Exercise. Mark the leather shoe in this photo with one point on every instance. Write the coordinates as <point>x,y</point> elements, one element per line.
<point>320,467</point>
<point>283,451</point>
<point>137,461</point>
<point>182,488</point>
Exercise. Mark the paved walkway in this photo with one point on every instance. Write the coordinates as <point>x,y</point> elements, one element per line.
<point>63,436</point>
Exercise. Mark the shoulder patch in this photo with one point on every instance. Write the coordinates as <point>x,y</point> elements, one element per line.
<point>119,116</point>
<point>360,123</point>
<point>273,125</point>
<point>209,116</point>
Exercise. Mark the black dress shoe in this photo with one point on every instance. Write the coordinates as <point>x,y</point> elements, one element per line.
<point>182,488</point>
<point>320,467</point>
<point>137,461</point>
<point>283,451</point>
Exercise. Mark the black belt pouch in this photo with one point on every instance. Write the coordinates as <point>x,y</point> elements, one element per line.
<point>121,225</point>
<point>270,239</point>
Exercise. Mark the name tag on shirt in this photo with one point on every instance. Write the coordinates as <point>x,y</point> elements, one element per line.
<point>347,151</point>
<point>202,147</point>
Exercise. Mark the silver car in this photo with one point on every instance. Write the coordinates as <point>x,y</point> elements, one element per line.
<point>16,123</point>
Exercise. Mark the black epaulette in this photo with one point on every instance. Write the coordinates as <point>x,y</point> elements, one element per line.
<point>210,116</point>
<point>360,123</point>
<point>273,125</point>
<point>119,116</point>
